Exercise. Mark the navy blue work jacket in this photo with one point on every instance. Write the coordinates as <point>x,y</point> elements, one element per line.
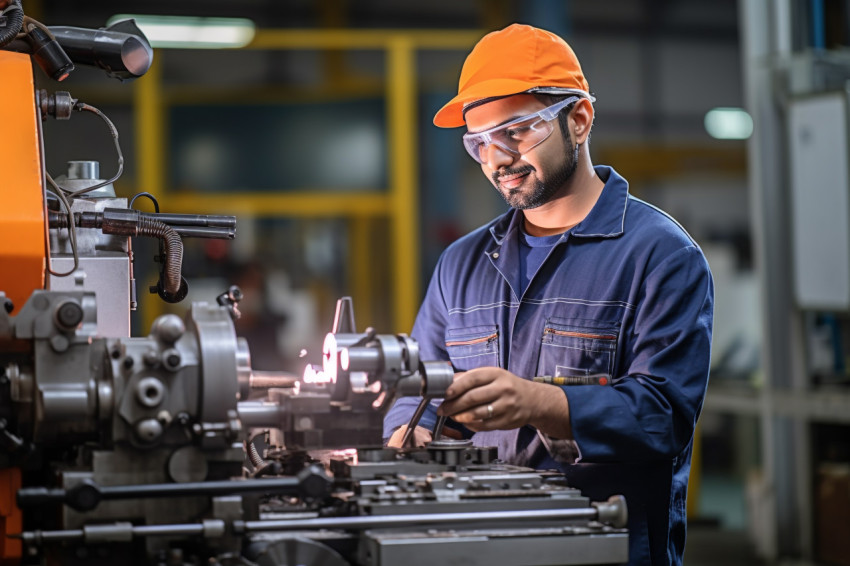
<point>626,292</point>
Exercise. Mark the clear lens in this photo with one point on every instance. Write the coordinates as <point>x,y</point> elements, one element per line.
<point>516,137</point>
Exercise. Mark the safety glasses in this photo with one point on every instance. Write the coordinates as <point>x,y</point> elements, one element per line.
<point>517,137</point>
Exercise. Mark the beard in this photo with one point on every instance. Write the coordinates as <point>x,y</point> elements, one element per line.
<point>542,191</point>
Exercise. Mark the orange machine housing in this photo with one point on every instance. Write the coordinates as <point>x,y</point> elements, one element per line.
<point>23,231</point>
<point>23,234</point>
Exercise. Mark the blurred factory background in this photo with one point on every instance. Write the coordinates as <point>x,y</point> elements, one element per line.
<point>317,134</point>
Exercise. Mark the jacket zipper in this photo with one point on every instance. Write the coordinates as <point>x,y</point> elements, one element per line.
<point>473,341</point>
<point>580,334</point>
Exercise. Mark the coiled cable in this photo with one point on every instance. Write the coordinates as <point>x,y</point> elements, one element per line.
<point>14,15</point>
<point>173,252</point>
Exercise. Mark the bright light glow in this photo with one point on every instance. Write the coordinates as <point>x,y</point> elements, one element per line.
<point>181,32</point>
<point>314,375</point>
<point>330,357</point>
<point>728,124</point>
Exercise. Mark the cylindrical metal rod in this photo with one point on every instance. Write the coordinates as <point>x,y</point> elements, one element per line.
<point>87,495</point>
<point>207,220</point>
<point>385,521</point>
<point>266,379</point>
<point>214,233</point>
<point>188,529</point>
<point>175,530</point>
<point>414,421</point>
<point>363,359</point>
<point>258,414</point>
<point>208,488</point>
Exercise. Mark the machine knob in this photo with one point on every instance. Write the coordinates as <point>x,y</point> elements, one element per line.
<point>69,315</point>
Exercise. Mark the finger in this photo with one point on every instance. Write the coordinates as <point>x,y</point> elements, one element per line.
<point>421,436</point>
<point>478,396</point>
<point>396,437</point>
<point>478,414</point>
<point>468,380</point>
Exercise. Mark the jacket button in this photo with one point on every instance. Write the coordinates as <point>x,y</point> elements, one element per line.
<point>495,255</point>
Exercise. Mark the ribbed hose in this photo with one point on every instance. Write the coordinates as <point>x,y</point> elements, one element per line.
<point>15,20</point>
<point>254,456</point>
<point>173,251</point>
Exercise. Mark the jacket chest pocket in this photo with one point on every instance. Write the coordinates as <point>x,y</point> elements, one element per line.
<point>473,347</point>
<point>578,347</point>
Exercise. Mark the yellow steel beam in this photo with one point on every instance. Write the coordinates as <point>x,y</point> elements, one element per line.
<point>695,479</point>
<point>362,39</point>
<point>347,88</point>
<point>151,139</point>
<point>149,126</point>
<point>360,270</point>
<point>647,162</point>
<point>319,204</point>
<point>404,191</point>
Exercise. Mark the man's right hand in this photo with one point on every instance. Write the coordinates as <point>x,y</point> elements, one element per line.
<point>421,435</point>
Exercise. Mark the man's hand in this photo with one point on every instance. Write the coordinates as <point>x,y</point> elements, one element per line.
<point>492,398</point>
<point>421,435</point>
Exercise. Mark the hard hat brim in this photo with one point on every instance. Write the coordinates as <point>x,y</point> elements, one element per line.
<point>451,115</point>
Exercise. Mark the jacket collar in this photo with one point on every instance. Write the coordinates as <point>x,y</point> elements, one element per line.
<point>605,220</point>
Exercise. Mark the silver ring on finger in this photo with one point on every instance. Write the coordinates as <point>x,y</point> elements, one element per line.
<point>489,412</point>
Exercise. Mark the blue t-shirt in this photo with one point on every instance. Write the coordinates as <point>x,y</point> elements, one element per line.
<point>533,251</point>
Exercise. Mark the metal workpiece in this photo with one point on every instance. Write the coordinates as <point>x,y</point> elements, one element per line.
<point>271,379</point>
<point>437,377</point>
<point>392,360</point>
<point>260,414</point>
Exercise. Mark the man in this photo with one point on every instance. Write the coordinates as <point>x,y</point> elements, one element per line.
<point>578,284</point>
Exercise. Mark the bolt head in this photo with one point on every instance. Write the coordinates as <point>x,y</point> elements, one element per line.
<point>69,315</point>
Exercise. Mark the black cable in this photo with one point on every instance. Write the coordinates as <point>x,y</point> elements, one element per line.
<point>82,106</point>
<point>145,194</point>
<point>72,229</point>
<point>14,15</point>
<point>29,23</point>
<point>62,193</point>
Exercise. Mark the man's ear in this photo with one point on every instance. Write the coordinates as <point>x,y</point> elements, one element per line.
<point>581,120</point>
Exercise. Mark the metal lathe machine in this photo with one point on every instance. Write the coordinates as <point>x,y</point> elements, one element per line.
<point>147,450</point>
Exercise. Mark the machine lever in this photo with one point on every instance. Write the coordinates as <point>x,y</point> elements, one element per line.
<point>311,483</point>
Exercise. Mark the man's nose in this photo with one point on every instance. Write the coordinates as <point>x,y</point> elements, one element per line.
<point>498,156</point>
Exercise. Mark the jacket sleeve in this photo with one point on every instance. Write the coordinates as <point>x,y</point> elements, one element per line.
<point>429,331</point>
<point>650,410</point>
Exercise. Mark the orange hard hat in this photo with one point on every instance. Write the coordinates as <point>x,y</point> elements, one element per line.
<point>514,60</point>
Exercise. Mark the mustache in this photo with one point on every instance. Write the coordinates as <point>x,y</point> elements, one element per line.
<point>496,175</point>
